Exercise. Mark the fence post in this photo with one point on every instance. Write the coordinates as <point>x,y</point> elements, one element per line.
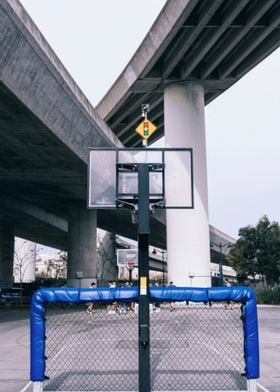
<point>37,386</point>
<point>252,385</point>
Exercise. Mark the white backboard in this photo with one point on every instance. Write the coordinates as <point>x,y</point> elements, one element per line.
<point>127,258</point>
<point>175,186</point>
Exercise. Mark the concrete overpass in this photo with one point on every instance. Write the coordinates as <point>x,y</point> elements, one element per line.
<point>195,50</point>
<point>46,128</point>
<point>212,42</point>
<point>47,124</point>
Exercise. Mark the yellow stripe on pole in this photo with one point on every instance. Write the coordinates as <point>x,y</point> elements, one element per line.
<point>143,285</point>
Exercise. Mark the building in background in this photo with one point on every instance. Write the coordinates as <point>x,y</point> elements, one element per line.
<point>51,264</point>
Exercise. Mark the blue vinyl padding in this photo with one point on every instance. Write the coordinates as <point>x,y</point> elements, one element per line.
<point>51,295</point>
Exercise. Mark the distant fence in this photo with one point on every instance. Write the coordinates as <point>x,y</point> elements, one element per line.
<point>196,344</point>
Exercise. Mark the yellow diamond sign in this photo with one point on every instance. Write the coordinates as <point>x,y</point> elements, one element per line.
<point>146,128</point>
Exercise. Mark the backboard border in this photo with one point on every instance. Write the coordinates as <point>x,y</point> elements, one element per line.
<point>119,250</point>
<point>159,149</point>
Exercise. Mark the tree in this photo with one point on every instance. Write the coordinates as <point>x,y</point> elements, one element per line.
<point>24,257</point>
<point>257,252</point>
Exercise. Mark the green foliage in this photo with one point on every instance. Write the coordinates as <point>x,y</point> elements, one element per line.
<point>269,297</point>
<point>256,254</point>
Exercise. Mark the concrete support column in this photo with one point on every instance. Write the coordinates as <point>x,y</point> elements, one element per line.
<point>82,257</point>
<point>24,261</point>
<point>188,230</point>
<point>6,254</point>
<point>107,263</point>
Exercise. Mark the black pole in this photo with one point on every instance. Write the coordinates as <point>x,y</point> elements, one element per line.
<point>221,266</point>
<point>143,281</point>
<point>162,259</point>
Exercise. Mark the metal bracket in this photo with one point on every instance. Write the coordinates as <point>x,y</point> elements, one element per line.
<point>144,334</point>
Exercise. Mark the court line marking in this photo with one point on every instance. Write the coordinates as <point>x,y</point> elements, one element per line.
<point>262,387</point>
<point>30,382</point>
<point>221,355</point>
<point>26,386</point>
<point>57,354</point>
<point>229,361</point>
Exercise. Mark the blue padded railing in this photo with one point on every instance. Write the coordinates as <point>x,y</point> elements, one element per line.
<point>52,295</point>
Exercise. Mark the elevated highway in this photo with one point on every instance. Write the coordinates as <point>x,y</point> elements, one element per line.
<point>212,42</point>
<point>195,50</point>
<point>47,124</point>
<point>46,128</point>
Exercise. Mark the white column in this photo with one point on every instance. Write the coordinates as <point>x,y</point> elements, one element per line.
<point>188,230</point>
<point>24,261</point>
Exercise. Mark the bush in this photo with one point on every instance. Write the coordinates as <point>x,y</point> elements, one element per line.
<point>269,296</point>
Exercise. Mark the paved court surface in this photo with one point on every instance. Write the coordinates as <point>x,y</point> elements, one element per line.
<point>14,349</point>
<point>191,347</point>
<point>269,331</point>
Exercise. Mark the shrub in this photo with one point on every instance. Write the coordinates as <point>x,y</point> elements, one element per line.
<point>269,296</point>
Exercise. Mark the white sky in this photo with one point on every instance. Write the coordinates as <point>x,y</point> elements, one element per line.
<point>95,39</point>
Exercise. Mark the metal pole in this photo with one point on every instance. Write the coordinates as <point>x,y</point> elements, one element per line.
<point>252,385</point>
<point>162,259</point>
<point>37,386</point>
<point>143,262</point>
<point>221,266</point>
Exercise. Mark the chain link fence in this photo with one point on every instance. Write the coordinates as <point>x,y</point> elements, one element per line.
<point>193,347</point>
<point>91,351</point>
<point>197,347</point>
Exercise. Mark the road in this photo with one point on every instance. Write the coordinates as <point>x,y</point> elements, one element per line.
<point>14,349</point>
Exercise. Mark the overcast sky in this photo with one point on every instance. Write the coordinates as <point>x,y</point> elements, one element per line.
<point>95,39</point>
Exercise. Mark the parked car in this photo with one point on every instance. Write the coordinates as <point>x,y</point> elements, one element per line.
<point>14,296</point>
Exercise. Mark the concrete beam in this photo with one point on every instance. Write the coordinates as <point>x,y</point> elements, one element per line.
<point>36,212</point>
<point>162,32</point>
<point>31,70</point>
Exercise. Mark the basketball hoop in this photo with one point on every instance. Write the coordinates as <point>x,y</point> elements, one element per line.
<point>135,179</point>
<point>130,264</point>
<point>115,185</point>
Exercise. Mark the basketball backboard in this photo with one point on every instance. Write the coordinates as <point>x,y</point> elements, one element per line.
<point>112,175</point>
<point>127,258</point>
